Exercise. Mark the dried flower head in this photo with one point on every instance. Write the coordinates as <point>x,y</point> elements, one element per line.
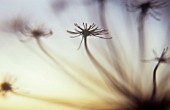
<point>36,32</point>
<point>145,6</point>
<point>6,85</point>
<point>163,58</point>
<point>91,30</point>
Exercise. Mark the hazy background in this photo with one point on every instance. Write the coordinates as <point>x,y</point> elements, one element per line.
<point>37,75</point>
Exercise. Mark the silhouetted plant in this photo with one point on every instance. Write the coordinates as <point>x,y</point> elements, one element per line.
<point>95,32</point>
<point>162,59</point>
<point>86,31</point>
<point>148,7</point>
<point>118,75</point>
<point>37,32</point>
<point>6,85</point>
<point>107,75</point>
<point>131,93</point>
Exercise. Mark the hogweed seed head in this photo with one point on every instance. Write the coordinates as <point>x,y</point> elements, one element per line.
<point>37,32</point>
<point>149,6</point>
<point>85,31</point>
<point>163,58</point>
<point>6,85</point>
<point>90,30</point>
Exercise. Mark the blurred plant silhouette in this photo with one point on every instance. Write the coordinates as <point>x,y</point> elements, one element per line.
<point>118,80</point>
<point>148,7</point>
<point>162,59</point>
<point>7,85</point>
<point>86,31</point>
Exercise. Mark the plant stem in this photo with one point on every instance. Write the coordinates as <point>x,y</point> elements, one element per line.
<point>141,35</point>
<point>109,79</point>
<point>154,81</point>
<point>52,100</point>
<point>74,78</point>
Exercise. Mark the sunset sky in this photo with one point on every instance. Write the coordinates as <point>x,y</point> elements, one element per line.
<point>41,82</point>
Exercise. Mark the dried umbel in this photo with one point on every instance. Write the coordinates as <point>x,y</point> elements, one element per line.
<point>148,6</point>
<point>6,85</point>
<point>36,32</point>
<point>163,58</point>
<point>85,31</point>
<point>145,8</point>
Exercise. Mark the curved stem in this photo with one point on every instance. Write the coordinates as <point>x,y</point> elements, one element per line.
<point>53,100</point>
<point>39,43</point>
<point>96,63</point>
<point>110,44</point>
<point>66,71</point>
<point>61,101</point>
<point>112,82</point>
<point>154,81</point>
